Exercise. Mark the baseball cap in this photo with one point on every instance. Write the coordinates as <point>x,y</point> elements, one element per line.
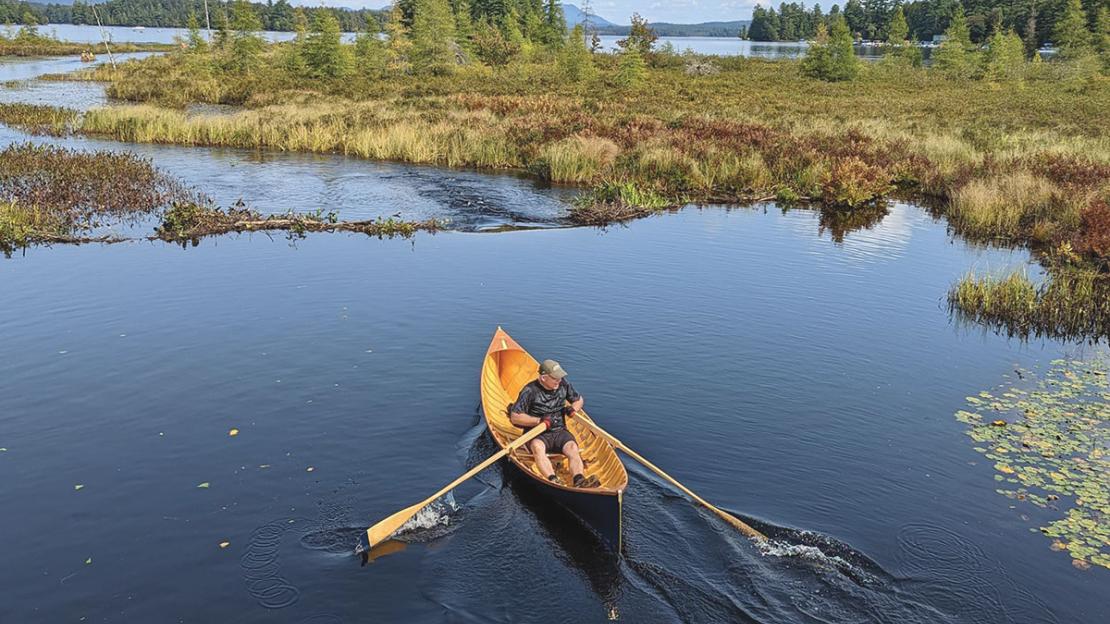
<point>551,368</point>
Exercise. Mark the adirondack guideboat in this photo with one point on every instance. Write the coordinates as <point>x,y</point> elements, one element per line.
<point>506,369</point>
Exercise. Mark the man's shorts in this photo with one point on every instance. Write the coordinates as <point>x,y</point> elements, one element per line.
<point>555,440</point>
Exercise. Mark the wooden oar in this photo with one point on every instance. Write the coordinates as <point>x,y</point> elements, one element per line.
<point>742,526</point>
<point>389,526</point>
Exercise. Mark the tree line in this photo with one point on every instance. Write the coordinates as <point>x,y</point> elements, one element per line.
<point>1033,20</point>
<point>271,15</point>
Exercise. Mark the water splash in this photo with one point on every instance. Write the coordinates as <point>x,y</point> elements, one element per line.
<point>435,516</point>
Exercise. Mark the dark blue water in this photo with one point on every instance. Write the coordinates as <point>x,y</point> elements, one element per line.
<point>806,384</point>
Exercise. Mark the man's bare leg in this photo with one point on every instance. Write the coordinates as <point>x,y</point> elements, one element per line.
<point>570,449</point>
<point>539,454</point>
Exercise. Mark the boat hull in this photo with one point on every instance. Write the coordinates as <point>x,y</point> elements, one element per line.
<point>602,513</point>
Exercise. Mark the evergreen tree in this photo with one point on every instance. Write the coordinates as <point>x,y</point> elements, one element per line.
<point>763,26</point>
<point>1005,56</point>
<point>816,61</point>
<point>1102,37</point>
<point>631,70</point>
<point>492,46</point>
<point>843,64</point>
<point>222,38</point>
<point>324,55</point>
<point>464,24</point>
<point>555,24</point>
<point>433,36</point>
<point>956,55</point>
<point>575,62</point>
<point>194,40</point>
<point>855,17</point>
<point>641,37</point>
<point>369,55</point>
<point>899,30</point>
<point>246,44</point>
<point>398,49</point>
<point>1070,33</point>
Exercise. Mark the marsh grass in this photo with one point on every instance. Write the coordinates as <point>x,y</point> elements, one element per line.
<point>754,129</point>
<point>1012,206</point>
<point>1072,303</point>
<point>21,226</point>
<point>37,118</point>
<point>25,44</point>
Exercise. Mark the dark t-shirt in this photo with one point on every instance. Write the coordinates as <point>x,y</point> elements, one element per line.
<point>535,400</point>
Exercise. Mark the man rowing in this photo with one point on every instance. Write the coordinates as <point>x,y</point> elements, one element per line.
<point>544,400</point>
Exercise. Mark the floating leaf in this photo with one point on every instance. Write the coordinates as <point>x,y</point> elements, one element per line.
<point>204,485</point>
<point>88,561</point>
<point>78,486</point>
<point>309,469</point>
<point>1053,441</point>
<point>225,544</point>
<point>233,432</point>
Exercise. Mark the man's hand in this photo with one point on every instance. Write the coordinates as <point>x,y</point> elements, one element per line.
<point>547,421</point>
<point>569,411</point>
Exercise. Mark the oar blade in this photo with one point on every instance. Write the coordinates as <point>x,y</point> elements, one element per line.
<point>382,530</point>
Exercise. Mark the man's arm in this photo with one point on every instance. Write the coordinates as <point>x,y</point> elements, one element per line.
<point>576,400</point>
<point>518,413</point>
<point>524,421</point>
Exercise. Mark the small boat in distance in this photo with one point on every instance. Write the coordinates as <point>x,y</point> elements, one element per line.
<point>506,369</point>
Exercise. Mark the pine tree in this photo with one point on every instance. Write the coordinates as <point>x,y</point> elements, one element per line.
<point>631,70</point>
<point>1005,56</point>
<point>246,44</point>
<point>640,36</point>
<point>1070,33</point>
<point>492,47</point>
<point>194,40</point>
<point>956,56</point>
<point>1102,37</point>
<point>555,24</point>
<point>816,61</point>
<point>899,30</point>
<point>370,56</point>
<point>398,49</point>
<point>464,24</point>
<point>575,62</point>
<point>433,36</point>
<point>324,55</point>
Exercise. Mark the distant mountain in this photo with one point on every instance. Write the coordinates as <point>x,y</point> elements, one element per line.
<point>603,26</point>
<point>575,16</point>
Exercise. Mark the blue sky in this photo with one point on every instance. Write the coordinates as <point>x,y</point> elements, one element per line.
<point>618,11</point>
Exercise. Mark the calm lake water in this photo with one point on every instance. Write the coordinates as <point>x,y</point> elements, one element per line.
<point>701,45</point>
<point>806,383</point>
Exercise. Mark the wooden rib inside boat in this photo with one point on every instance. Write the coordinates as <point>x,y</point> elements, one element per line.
<point>507,369</point>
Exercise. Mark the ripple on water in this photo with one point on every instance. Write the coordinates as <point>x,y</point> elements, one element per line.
<point>957,577</point>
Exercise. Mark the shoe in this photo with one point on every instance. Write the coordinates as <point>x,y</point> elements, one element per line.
<point>555,479</point>
<point>586,482</point>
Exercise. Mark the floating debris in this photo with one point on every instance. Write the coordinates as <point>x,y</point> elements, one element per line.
<point>1054,452</point>
<point>78,487</point>
<point>204,485</point>
<point>225,544</point>
<point>88,561</point>
<point>233,432</point>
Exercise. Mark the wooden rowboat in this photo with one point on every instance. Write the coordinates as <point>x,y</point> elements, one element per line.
<point>506,369</point>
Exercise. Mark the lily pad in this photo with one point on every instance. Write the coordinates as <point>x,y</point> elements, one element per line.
<point>1054,442</point>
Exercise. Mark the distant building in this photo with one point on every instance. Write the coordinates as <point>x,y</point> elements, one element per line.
<point>939,38</point>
